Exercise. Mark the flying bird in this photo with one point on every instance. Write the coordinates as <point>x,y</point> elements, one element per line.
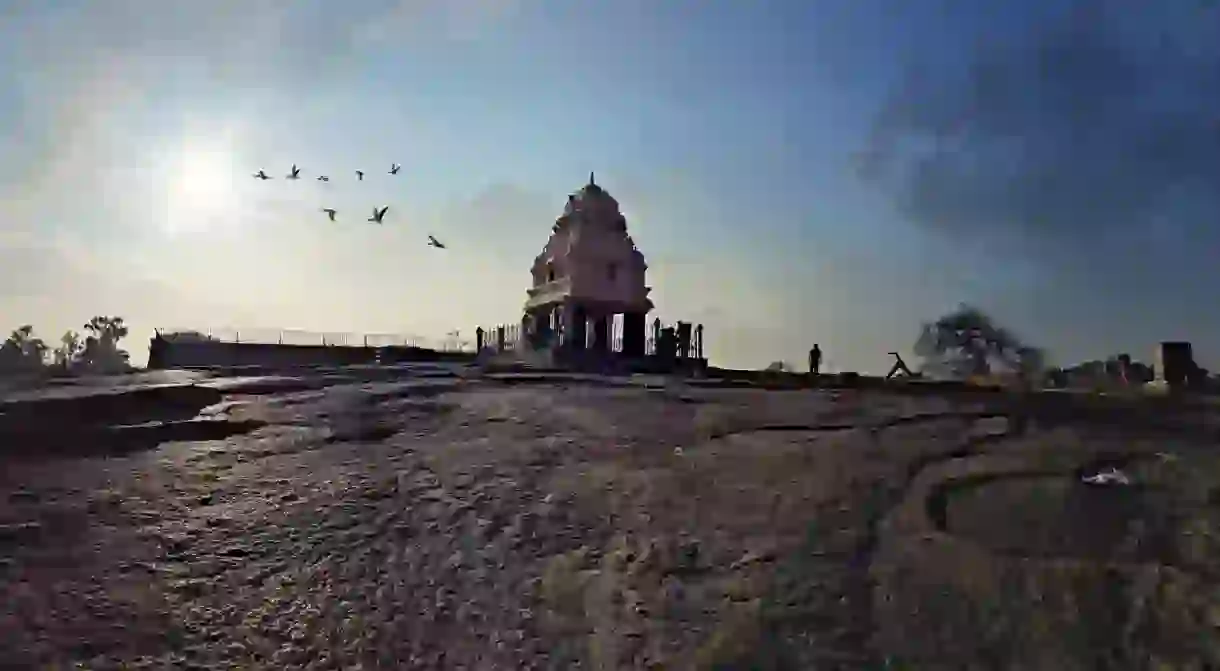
<point>360,175</point>
<point>329,212</point>
<point>323,178</point>
<point>261,175</point>
<point>378,214</point>
<point>433,242</point>
<point>296,172</point>
<point>394,167</point>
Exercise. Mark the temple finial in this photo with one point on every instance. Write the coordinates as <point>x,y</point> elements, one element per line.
<point>591,182</point>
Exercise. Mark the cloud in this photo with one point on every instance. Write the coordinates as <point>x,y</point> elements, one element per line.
<point>1097,131</point>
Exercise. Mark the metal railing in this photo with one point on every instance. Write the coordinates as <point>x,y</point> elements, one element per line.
<point>513,335</point>
<point>309,338</point>
<point>454,341</point>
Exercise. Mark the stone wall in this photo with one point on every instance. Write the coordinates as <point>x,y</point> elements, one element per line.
<point>205,354</point>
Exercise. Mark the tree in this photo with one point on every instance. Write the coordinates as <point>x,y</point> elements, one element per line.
<point>107,328</point>
<point>101,351</point>
<point>968,342</point>
<point>22,350</point>
<point>69,349</point>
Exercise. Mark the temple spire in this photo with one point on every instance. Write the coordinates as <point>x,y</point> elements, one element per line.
<point>591,182</point>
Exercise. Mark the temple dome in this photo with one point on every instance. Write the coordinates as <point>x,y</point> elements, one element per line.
<point>592,197</point>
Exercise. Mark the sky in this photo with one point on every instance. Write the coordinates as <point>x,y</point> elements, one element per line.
<point>795,172</point>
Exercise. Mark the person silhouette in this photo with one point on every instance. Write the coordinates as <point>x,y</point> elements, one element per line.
<point>900,366</point>
<point>815,359</point>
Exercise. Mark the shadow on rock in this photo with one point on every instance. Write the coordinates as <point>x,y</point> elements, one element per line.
<point>1051,515</point>
<point>108,424</point>
<point>87,441</point>
<point>136,406</point>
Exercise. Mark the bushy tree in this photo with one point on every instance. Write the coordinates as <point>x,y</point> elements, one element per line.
<point>101,350</point>
<point>968,342</point>
<point>22,350</point>
<point>68,351</point>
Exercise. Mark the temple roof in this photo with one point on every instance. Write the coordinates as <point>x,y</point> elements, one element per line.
<point>591,194</point>
<point>592,189</point>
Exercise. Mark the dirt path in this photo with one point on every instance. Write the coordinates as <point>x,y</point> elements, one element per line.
<point>446,523</point>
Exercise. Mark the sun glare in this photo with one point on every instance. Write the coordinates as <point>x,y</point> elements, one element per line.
<point>202,188</point>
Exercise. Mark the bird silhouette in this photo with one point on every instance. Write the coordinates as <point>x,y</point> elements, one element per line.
<point>360,175</point>
<point>323,178</point>
<point>394,167</point>
<point>433,242</point>
<point>261,175</point>
<point>378,214</point>
<point>329,212</point>
<point>296,172</point>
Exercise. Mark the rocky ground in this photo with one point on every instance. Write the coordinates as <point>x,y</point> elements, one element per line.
<point>426,520</point>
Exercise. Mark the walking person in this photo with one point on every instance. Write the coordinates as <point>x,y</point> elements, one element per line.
<point>815,359</point>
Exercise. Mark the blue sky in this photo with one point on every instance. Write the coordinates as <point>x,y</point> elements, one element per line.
<point>1067,197</point>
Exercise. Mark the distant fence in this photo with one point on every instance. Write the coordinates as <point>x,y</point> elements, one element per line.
<point>264,336</point>
<point>500,337</point>
<point>279,348</point>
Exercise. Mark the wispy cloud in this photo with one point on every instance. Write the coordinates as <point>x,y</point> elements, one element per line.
<point>1100,128</point>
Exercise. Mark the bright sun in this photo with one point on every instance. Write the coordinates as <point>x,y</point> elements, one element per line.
<point>202,189</point>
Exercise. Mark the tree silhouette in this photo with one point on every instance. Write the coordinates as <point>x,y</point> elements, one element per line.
<point>69,349</point>
<point>968,342</point>
<point>22,350</point>
<point>101,351</point>
<point>107,328</point>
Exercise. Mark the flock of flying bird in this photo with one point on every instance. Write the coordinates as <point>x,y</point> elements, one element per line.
<point>378,214</point>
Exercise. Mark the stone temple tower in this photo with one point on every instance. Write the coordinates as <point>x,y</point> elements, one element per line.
<point>588,273</point>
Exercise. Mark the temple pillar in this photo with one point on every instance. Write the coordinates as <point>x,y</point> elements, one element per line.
<point>578,322</point>
<point>601,333</point>
<point>635,333</point>
<point>540,334</point>
<point>666,347</point>
<point>500,338</point>
<point>684,342</point>
<point>1175,363</point>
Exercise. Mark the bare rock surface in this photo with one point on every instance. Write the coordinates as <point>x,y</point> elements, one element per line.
<point>349,519</point>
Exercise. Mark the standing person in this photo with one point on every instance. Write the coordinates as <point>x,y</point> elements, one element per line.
<point>815,359</point>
